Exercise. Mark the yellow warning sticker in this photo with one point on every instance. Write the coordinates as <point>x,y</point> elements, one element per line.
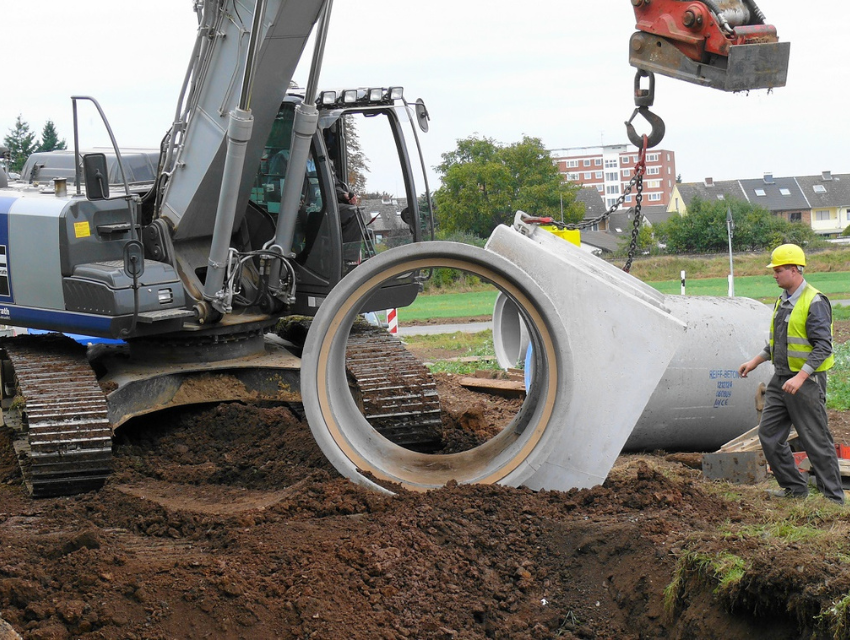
<point>81,229</point>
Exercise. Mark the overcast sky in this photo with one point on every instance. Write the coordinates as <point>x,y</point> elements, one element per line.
<point>553,69</point>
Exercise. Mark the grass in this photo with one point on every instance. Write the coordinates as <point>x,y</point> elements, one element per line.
<point>723,570</point>
<point>470,304</point>
<point>449,305</point>
<point>761,287</point>
<point>838,388</point>
<point>836,619</point>
<point>477,345</point>
<point>783,530</point>
<point>814,524</point>
<point>662,268</point>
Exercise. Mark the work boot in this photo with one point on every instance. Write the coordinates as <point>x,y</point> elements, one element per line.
<point>786,493</point>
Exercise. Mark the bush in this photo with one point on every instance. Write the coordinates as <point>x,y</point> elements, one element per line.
<point>458,281</point>
<point>704,229</point>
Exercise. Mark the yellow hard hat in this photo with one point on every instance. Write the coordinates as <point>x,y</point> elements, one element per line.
<point>787,254</point>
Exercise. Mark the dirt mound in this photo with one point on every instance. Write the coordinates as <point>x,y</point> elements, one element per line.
<point>227,522</point>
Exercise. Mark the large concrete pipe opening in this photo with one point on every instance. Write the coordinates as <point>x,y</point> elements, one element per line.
<point>567,433</point>
<point>355,447</point>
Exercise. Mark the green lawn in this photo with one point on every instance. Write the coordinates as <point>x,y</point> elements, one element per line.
<point>480,303</point>
<point>449,305</point>
<point>836,285</point>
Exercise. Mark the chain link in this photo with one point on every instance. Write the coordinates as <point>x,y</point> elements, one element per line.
<point>636,227</point>
<point>636,182</point>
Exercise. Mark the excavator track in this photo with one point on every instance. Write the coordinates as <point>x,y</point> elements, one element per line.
<point>52,400</point>
<point>398,394</point>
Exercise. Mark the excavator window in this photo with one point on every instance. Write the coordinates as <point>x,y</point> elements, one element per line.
<point>268,190</point>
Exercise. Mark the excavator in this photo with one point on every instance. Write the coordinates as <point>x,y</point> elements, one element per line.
<point>179,284</point>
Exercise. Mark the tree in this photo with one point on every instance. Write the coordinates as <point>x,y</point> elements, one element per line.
<point>645,241</point>
<point>21,143</point>
<point>50,139</point>
<point>484,183</point>
<point>358,163</point>
<point>704,229</point>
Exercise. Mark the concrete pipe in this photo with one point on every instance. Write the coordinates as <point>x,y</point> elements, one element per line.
<point>568,432</point>
<point>510,336</point>
<point>700,403</point>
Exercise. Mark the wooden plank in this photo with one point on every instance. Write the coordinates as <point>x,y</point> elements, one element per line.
<point>749,441</point>
<point>472,359</point>
<point>490,374</point>
<point>508,388</point>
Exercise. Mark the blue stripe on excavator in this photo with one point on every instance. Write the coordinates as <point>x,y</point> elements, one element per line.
<point>57,320</point>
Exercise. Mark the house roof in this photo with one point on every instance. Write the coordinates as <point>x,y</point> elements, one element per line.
<point>710,190</point>
<point>594,205</point>
<point>655,213</point>
<point>600,240</point>
<point>826,189</point>
<point>621,223</point>
<point>383,217</point>
<point>775,194</point>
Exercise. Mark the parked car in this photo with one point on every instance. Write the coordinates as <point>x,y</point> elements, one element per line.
<point>140,165</point>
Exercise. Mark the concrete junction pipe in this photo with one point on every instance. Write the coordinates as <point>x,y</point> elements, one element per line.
<point>700,403</point>
<point>602,342</point>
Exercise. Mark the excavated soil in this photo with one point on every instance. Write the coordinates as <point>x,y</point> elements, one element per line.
<point>227,522</point>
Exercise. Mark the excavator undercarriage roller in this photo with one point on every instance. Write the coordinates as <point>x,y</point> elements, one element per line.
<point>397,392</point>
<point>52,401</point>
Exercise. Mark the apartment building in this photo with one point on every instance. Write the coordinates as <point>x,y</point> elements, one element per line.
<point>610,168</point>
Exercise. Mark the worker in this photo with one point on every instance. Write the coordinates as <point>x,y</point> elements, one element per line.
<point>800,348</point>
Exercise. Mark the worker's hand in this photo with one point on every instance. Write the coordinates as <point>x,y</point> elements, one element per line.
<point>748,366</point>
<point>792,385</point>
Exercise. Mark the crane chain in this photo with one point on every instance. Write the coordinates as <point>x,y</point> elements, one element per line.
<point>640,169</point>
<point>636,182</point>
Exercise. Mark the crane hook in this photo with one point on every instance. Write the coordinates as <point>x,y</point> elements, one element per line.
<point>656,134</point>
<point>644,98</point>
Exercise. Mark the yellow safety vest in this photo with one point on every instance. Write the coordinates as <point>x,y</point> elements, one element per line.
<point>799,346</point>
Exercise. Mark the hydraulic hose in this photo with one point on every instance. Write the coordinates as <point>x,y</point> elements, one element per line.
<point>756,11</point>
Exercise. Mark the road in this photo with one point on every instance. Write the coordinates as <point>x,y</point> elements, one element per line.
<point>431,329</point>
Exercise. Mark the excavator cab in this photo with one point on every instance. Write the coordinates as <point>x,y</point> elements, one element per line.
<point>335,232</point>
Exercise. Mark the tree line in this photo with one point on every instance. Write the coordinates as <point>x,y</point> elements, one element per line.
<point>21,142</point>
<point>484,183</point>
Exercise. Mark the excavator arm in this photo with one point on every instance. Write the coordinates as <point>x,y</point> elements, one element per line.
<point>723,44</point>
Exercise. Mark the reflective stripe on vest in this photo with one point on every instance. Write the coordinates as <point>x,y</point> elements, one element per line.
<point>798,343</point>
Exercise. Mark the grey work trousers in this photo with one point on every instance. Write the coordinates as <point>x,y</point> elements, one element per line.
<point>806,411</point>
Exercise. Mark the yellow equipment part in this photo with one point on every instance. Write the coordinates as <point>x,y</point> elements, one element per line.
<point>570,235</point>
